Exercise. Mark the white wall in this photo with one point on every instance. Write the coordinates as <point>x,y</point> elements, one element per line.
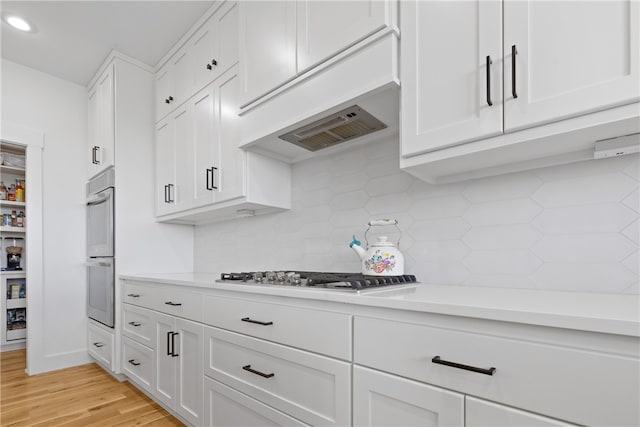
<point>572,227</point>
<point>58,109</point>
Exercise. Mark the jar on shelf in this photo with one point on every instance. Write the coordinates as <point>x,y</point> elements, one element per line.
<point>3,191</point>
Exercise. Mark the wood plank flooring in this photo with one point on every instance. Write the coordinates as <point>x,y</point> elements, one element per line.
<point>80,396</point>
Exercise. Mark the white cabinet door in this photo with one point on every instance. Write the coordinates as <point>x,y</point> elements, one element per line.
<point>101,125</point>
<point>189,356</point>
<point>386,400</point>
<point>206,147</point>
<point>165,366</point>
<point>229,177</point>
<point>180,194</point>
<point>164,91</point>
<point>267,46</point>
<point>445,73</point>
<point>165,166</point>
<point>480,413</point>
<point>226,407</point>
<point>572,57</point>
<point>225,23</point>
<point>214,48</point>
<point>182,76</point>
<point>325,28</point>
<point>203,52</point>
<point>92,131</point>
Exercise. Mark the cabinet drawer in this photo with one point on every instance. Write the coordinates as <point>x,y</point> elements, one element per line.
<point>137,294</point>
<point>581,386</point>
<point>137,324</point>
<point>226,407</point>
<point>178,302</point>
<point>297,327</point>
<point>137,363</point>
<point>314,389</point>
<point>100,345</point>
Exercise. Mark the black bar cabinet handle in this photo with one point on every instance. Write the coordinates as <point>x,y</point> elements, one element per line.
<point>135,324</point>
<point>253,371</point>
<point>134,295</point>
<point>489,62</point>
<point>213,178</point>
<point>174,304</point>
<point>439,361</point>
<point>169,198</point>
<point>514,52</point>
<point>207,174</point>
<point>166,198</point>
<point>169,351</point>
<point>133,362</point>
<point>173,345</point>
<point>98,344</point>
<point>257,322</point>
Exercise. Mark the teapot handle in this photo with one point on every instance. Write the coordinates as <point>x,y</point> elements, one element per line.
<point>382,222</point>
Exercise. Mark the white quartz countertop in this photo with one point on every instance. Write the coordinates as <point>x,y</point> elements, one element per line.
<point>609,313</point>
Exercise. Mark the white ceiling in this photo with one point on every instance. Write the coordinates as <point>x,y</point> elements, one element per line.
<point>74,37</point>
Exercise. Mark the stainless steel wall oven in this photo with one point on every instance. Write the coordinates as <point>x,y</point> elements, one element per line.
<point>101,248</point>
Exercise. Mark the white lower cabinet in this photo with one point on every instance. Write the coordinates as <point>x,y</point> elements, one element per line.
<point>100,345</point>
<point>178,367</point>
<point>480,413</point>
<point>218,359</point>
<point>226,407</point>
<point>381,399</point>
<point>312,388</point>
<point>137,363</point>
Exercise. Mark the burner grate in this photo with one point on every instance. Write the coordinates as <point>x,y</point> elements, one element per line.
<point>310,279</point>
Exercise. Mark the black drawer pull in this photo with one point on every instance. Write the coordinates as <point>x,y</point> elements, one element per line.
<point>136,324</point>
<point>133,362</point>
<point>489,62</point>
<point>253,371</point>
<point>98,344</point>
<point>514,52</point>
<point>439,361</point>
<point>134,295</point>
<point>257,322</point>
<point>174,304</point>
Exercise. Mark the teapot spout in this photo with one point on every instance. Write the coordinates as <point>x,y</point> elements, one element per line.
<point>355,245</point>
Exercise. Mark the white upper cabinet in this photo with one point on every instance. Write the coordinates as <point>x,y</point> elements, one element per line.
<point>451,72</point>
<point>279,40</point>
<point>215,46</point>
<point>101,124</point>
<point>229,176</point>
<point>164,91</point>
<point>174,162</point>
<point>267,46</point>
<point>206,147</point>
<point>205,56</point>
<point>324,28</point>
<point>571,57</point>
<point>509,72</point>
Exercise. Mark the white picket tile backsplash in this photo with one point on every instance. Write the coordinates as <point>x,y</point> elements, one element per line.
<point>571,227</point>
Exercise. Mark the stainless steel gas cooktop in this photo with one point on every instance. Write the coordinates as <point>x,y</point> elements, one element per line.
<point>348,282</point>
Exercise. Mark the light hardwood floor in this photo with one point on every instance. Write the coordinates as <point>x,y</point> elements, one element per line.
<point>80,396</point>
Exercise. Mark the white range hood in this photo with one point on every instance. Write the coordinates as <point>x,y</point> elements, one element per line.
<point>351,99</point>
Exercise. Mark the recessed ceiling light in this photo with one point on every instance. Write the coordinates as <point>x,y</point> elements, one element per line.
<point>18,23</point>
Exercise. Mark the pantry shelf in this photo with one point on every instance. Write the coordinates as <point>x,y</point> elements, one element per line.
<point>12,204</point>
<point>12,170</point>
<point>7,229</point>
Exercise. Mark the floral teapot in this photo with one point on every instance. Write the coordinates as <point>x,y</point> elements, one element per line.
<point>383,258</point>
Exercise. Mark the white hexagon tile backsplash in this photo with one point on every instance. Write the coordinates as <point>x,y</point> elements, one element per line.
<point>571,227</point>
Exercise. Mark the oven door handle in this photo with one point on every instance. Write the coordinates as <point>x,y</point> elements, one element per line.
<point>98,264</point>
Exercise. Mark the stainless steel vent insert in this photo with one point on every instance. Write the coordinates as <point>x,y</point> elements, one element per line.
<point>350,123</point>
